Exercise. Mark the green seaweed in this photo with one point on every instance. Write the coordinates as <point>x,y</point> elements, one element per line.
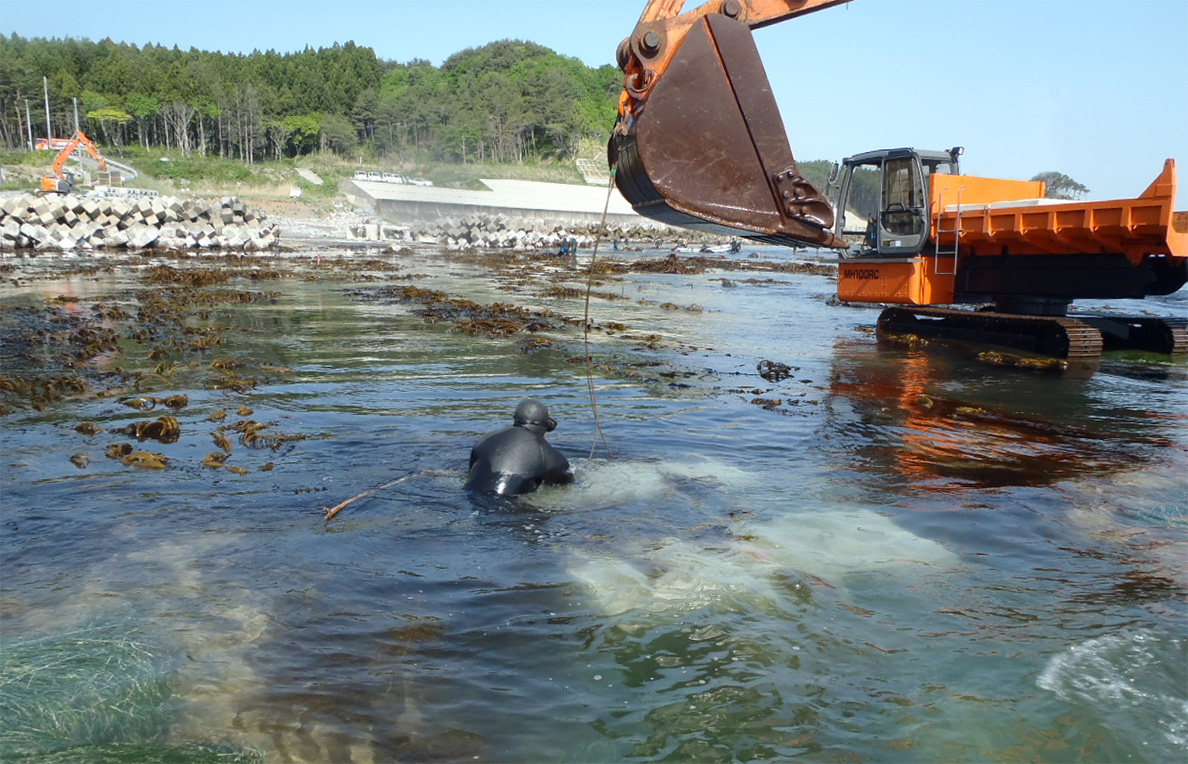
<point>93,695</point>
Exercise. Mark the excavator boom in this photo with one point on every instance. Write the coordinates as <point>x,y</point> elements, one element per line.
<point>699,142</point>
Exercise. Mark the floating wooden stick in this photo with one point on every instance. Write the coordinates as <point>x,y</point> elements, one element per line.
<point>332,511</point>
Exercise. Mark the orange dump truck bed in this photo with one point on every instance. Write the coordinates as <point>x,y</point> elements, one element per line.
<point>1009,217</point>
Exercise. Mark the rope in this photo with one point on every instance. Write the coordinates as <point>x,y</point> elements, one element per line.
<point>598,433</point>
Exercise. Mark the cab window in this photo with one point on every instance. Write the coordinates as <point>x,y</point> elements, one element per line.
<point>901,195</point>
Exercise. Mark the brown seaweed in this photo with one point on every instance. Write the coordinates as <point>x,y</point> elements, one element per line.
<point>140,402</point>
<point>176,402</point>
<point>221,440</point>
<point>164,429</point>
<point>119,450</point>
<point>145,460</point>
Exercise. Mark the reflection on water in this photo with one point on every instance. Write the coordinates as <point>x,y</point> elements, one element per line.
<point>940,428</point>
<point>889,555</point>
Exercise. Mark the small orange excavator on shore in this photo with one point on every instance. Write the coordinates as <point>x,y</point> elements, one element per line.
<point>699,143</point>
<point>61,181</point>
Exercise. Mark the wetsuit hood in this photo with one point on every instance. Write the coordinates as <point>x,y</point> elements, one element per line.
<point>534,415</point>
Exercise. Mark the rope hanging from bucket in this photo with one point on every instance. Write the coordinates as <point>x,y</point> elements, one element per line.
<point>598,433</point>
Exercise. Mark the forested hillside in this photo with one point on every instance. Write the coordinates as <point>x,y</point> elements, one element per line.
<point>508,101</point>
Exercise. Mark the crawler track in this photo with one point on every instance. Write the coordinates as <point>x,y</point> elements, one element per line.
<point>1053,336</point>
<point>1157,335</point>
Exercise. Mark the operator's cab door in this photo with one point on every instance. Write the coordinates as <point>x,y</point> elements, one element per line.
<point>880,199</point>
<point>903,216</point>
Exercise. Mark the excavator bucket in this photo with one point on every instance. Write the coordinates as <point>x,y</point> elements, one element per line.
<point>702,145</point>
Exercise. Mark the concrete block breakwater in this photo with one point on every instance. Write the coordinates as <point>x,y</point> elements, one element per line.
<point>483,232</point>
<point>78,222</point>
<point>500,231</point>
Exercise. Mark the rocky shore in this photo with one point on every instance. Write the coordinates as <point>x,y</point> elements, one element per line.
<point>357,225</point>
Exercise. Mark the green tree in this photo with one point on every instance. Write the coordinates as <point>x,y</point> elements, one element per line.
<point>338,135</point>
<point>92,101</point>
<point>301,133</point>
<point>111,121</point>
<point>366,113</point>
<point>1057,185</point>
<point>508,101</point>
<point>145,110</point>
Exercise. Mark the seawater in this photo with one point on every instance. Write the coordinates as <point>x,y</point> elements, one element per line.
<point>893,555</point>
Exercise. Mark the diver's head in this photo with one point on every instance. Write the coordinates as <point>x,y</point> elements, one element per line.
<point>534,415</point>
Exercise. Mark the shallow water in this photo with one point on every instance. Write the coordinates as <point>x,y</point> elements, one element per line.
<point>911,556</point>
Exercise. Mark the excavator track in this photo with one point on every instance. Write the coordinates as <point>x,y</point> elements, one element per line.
<point>1167,335</point>
<point>1178,329</point>
<point>1053,336</point>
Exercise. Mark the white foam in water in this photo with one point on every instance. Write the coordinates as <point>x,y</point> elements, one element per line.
<point>753,557</point>
<point>836,542</point>
<point>674,577</point>
<point>607,483</point>
<point>749,559</point>
<point>1135,680</point>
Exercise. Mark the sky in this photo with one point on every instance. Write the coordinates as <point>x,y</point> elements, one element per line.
<point>1095,89</point>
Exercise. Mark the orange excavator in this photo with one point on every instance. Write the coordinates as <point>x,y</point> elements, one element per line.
<point>61,181</point>
<point>699,143</point>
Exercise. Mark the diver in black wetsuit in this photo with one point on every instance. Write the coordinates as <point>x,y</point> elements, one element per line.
<point>517,459</point>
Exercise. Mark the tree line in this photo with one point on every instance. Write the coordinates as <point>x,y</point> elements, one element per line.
<point>509,101</point>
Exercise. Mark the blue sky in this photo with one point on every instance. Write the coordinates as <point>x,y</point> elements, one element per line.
<point>1096,89</point>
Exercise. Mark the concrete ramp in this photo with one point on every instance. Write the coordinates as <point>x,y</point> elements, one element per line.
<point>560,202</point>
<point>309,175</point>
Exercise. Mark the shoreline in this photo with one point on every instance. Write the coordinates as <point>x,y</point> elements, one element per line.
<point>160,225</point>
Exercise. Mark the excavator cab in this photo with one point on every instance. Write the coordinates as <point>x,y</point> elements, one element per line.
<point>881,199</point>
<point>58,185</point>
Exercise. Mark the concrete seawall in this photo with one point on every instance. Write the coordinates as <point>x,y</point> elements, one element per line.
<point>565,204</point>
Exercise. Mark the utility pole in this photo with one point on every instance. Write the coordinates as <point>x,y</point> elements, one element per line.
<point>75,114</point>
<point>28,124</point>
<point>49,133</point>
